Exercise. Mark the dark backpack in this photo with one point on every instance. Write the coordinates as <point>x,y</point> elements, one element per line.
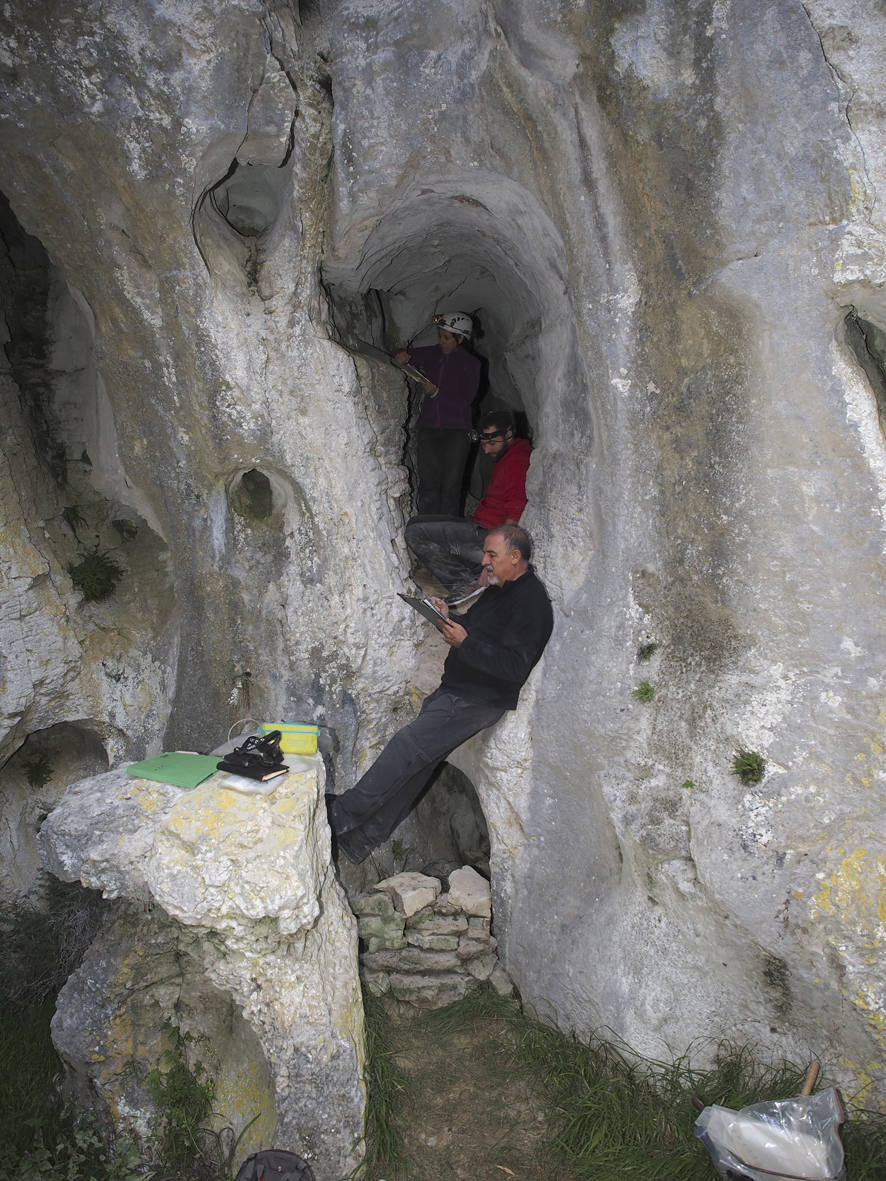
<point>273,1164</point>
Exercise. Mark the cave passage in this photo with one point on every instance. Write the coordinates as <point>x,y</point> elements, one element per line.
<point>481,246</point>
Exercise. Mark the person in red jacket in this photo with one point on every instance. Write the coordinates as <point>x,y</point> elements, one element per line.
<point>451,548</point>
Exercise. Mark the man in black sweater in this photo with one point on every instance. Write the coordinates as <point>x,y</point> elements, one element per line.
<point>492,652</point>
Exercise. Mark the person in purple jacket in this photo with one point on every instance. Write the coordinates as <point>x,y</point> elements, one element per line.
<point>453,375</point>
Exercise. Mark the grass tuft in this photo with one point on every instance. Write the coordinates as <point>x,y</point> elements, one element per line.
<point>644,691</point>
<point>43,944</point>
<point>385,1091</point>
<point>96,576</point>
<point>749,766</point>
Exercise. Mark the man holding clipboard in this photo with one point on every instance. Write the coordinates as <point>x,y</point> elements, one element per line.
<point>492,651</point>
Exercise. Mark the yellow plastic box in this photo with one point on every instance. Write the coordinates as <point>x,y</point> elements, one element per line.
<point>296,738</point>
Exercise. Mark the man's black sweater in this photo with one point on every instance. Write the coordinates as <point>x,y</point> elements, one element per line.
<point>507,628</point>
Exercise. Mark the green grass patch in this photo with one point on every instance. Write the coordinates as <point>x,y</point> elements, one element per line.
<point>40,1138</point>
<point>29,1073</point>
<point>610,1114</point>
<point>385,1091</point>
<point>631,1118</point>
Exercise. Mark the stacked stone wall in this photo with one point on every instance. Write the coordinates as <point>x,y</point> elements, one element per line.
<point>424,946</point>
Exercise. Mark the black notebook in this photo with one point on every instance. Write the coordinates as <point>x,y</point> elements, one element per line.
<point>262,774</point>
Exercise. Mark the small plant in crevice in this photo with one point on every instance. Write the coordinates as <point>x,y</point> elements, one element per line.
<point>688,784</point>
<point>38,770</point>
<point>644,691</point>
<point>184,1100</point>
<point>749,766</point>
<point>647,651</point>
<point>96,576</point>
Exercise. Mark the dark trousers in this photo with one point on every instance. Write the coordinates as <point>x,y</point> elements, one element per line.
<point>450,547</point>
<point>441,457</point>
<point>366,815</point>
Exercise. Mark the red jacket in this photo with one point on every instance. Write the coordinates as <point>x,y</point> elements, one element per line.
<point>505,497</point>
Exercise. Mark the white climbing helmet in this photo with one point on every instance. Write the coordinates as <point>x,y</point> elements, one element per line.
<point>458,323</point>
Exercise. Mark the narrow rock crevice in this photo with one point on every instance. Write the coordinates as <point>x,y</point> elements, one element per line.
<point>868,343</point>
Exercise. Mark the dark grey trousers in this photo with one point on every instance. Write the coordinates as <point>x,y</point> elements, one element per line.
<point>450,547</point>
<point>366,815</point>
<point>441,457</point>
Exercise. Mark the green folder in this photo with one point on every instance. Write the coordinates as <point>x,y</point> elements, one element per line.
<point>175,767</point>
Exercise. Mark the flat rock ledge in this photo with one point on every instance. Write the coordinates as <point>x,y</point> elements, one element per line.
<point>229,928</point>
<point>425,947</point>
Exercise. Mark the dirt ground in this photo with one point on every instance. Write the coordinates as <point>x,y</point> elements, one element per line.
<point>467,1111</point>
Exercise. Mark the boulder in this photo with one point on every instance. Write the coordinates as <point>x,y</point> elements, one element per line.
<point>230,928</point>
<point>429,923</point>
<point>470,892</point>
<point>411,892</point>
<point>431,991</point>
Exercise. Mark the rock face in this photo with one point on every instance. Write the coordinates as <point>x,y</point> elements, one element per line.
<point>668,218</point>
<point>231,933</point>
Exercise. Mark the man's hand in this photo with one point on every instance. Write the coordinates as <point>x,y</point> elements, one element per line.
<point>453,633</point>
<point>401,356</point>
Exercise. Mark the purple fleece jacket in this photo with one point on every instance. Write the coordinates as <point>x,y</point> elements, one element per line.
<point>457,376</point>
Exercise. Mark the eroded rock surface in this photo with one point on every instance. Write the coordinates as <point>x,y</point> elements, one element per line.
<point>668,218</point>
<point>230,930</point>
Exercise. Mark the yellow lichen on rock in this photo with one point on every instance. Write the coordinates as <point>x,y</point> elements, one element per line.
<point>856,891</point>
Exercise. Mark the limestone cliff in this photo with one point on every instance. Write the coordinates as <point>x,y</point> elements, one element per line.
<point>668,219</point>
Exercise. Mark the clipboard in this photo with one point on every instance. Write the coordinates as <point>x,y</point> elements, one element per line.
<point>412,372</point>
<point>424,607</point>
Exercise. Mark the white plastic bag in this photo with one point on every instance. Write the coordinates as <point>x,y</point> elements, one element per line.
<point>785,1140</point>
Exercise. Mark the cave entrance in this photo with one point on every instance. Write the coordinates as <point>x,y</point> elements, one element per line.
<point>475,243</point>
<point>32,781</point>
<point>448,828</point>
